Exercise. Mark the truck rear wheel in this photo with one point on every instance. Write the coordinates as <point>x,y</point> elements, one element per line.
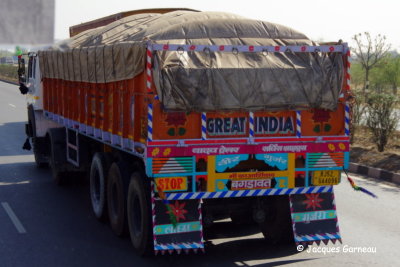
<point>277,228</point>
<point>139,214</point>
<point>57,155</point>
<point>98,184</point>
<point>39,151</point>
<point>242,217</point>
<point>117,186</point>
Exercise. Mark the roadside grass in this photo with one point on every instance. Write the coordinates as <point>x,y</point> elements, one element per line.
<point>9,72</point>
<point>364,152</point>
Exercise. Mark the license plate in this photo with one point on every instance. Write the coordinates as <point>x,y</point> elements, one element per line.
<point>328,177</point>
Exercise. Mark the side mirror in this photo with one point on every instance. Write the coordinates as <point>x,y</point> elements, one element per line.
<point>23,89</point>
<point>21,70</point>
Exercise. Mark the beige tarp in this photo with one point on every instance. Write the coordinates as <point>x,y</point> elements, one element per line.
<point>197,80</point>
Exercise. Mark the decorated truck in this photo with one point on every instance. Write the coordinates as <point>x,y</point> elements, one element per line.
<point>181,117</point>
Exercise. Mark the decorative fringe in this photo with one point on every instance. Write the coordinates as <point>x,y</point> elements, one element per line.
<point>358,188</point>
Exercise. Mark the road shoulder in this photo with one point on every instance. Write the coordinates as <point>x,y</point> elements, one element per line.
<point>375,173</point>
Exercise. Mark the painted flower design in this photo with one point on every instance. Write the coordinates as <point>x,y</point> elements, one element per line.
<point>313,201</point>
<point>321,115</point>
<point>176,118</point>
<point>178,210</point>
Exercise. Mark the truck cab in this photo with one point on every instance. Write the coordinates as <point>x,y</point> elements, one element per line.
<point>37,125</point>
<point>33,83</point>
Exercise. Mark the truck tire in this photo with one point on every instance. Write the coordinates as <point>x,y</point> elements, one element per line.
<point>139,214</point>
<point>242,217</point>
<point>277,229</point>
<point>117,188</point>
<point>40,147</point>
<point>98,184</point>
<point>57,155</point>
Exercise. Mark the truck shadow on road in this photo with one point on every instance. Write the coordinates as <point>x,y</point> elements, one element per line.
<point>242,252</point>
<point>12,146</point>
<point>62,215</point>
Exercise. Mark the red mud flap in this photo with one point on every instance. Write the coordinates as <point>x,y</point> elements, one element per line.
<point>314,218</point>
<point>186,234</point>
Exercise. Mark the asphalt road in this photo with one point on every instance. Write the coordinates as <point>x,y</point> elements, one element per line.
<point>42,224</point>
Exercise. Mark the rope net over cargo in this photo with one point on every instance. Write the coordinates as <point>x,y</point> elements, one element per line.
<point>206,61</point>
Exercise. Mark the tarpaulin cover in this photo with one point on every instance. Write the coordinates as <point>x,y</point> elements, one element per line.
<point>203,80</point>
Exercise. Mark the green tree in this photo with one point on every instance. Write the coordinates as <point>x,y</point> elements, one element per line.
<point>5,53</point>
<point>391,73</point>
<point>358,112</point>
<point>369,53</point>
<point>377,79</point>
<point>381,117</point>
<point>386,77</point>
<point>357,76</point>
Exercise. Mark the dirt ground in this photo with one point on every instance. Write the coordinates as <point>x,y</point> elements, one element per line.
<point>364,152</point>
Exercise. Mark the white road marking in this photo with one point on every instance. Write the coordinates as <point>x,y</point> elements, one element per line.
<point>16,158</point>
<point>12,105</point>
<point>22,182</point>
<point>14,218</point>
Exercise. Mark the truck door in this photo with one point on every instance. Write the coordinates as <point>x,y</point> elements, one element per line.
<point>33,82</point>
<point>31,72</point>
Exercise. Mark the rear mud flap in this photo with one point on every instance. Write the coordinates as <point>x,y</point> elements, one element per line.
<point>314,218</point>
<point>177,226</point>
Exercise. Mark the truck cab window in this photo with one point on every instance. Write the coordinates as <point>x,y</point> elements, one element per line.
<point>33,67</point>
<point>30,66</point>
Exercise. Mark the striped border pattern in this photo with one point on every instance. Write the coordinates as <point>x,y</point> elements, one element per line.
<point>149,90</point>
<point>347,69</point>
<point>148,69</point>
<point>334,207</point>
<point>291,217</point>
<point>298,124</point>
<point>178,248</point>
<point>201,223</point>
<point>347,87</point>
<point>153,213</point>
<point>375,173</point>
<point>150,122</point>
<point>251,124</point>
<point>250,48</point>
<point>327,236</point>
<point>203,126</point>
<point>249,193</point>
<point>347,119</point>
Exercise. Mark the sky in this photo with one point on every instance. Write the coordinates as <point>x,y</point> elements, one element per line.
<point>328,20</point>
